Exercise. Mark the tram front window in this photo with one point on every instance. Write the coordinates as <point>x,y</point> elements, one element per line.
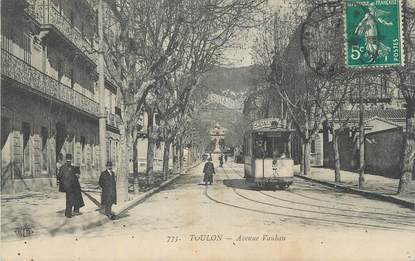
<point>270,147</point>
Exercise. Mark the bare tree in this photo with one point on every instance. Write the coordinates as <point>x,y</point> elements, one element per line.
<point>146,41</point>
<point>321,44</point>
<point>141,38</point>
<point>405,80</point>
<point>322,48</point>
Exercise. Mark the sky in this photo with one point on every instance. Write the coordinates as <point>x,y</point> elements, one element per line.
<point>240,56</point>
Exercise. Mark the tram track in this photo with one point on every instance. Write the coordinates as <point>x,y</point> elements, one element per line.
<point>331,208</point>
<point>335,208</point>
<point>282,215</point>
<point>379,218</point>
<point>301,182</point>
<point>360,224</point>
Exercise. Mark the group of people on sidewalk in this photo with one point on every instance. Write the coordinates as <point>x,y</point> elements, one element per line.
<point>68,182</point>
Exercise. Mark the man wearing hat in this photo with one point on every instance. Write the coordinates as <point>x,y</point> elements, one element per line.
<point>69,174</point>
<point>109,191</point>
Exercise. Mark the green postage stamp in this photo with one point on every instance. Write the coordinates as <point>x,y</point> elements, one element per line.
<point>373,33</point>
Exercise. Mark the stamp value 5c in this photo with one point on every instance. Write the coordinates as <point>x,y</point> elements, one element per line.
<point>373,30</point>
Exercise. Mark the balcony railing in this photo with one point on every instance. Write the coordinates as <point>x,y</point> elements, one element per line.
<point>16,69</point>
<point>46,14</point>
<point>113,120</point>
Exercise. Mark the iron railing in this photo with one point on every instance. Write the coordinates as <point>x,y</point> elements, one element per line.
<point>27,75</point>
<point>46,14</point>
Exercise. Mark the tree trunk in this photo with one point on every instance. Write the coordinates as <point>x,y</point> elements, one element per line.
<point>361,138</point>
<point>180,156</point>
<point>150,148</point>
<point>302,158</point>
<point>307,151</point>
<point>337,177</point>
<point>123,168</point>
<point>166,156</point>
<point>307,148</point>
<point>175,159</point>
<point>135,165</point>
<point>407,167</point>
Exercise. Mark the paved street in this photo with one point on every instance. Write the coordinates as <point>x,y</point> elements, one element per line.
<point>230,217</point>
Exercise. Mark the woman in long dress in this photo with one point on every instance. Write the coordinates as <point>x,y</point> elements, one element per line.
<point>208,170</point>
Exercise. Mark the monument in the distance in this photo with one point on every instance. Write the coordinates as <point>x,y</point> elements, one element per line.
<point>217,133</point>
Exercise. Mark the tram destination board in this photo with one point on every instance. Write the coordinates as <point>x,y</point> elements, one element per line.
<point>269,123</point>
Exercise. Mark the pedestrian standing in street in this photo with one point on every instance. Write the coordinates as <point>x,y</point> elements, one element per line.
<point>221,160</point>
<point>109,191</point>
<point>69,176</point>
<point>226,157</point>
<point>59,164</point>
<point>79,201</point>
<point>208,171</point>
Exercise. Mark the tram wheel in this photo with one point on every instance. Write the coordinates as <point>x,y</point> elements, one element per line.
<point>269,186</point>
<point>283,186</point>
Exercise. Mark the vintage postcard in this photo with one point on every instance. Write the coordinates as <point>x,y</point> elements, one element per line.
<point>207,130</point>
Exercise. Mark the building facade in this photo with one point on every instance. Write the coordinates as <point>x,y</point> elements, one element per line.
<point>114,118</point>
<point>383,145</point>
<point>49,94</point>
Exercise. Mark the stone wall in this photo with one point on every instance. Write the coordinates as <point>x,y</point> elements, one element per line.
<point>383,152</point>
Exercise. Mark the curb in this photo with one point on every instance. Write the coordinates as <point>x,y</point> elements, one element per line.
<point>365,193</point>
<point>130,204</point>
<point>100,220</point>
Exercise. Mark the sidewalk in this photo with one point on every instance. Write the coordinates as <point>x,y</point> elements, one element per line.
<point>32,214</point>
<point>375,186</point>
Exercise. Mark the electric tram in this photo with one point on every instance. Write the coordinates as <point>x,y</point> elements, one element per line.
<point>267,153</point>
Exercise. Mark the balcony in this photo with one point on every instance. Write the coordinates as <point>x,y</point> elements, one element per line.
<point>113,120</point>
<point>34,80</point>
<point>48,16</point>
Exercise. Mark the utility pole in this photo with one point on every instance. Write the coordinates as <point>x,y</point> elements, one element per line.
<point>101,88</point>
<point>361,137</point>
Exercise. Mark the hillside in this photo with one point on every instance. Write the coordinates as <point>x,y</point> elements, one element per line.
<point>226,89</point>
<point>230,80</point>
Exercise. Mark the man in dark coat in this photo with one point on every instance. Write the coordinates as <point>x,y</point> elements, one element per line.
<point>59,164</point>
<point>221,160</point>
<point>69,176</point>
<point>209,170</point>
<point>109,190</point>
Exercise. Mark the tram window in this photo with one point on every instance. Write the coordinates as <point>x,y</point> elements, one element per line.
<point>270,147</point>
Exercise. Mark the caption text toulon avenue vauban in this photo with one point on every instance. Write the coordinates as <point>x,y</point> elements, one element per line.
<point>221,237</point>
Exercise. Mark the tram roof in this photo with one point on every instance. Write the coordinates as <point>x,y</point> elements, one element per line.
<point>270,125</point>
<point>269,130</point>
